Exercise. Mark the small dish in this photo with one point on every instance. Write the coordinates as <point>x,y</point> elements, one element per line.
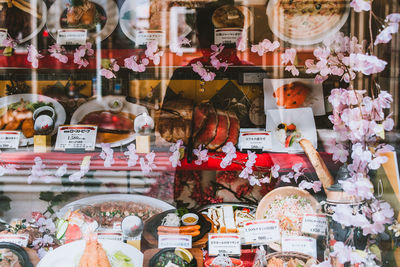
<point>190,219</point>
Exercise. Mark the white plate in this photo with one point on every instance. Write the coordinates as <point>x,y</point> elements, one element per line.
<point>303,118</point>
<point>134,15</point>
<point>95,105</point>
<point>43,8</point>
<point>153,202</point>
<point>68,255</point>
<point>109,6</point>
<point>59,109</point>
<point>315,98</point>
<point>272,20</point>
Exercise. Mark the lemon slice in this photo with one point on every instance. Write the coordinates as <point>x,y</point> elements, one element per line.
<point>184,254</point>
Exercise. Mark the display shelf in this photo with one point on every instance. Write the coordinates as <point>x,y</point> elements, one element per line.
<point>53,160</point>
<point>19,59</point>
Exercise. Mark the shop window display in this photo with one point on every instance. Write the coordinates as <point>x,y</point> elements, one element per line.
<point>199,133</point>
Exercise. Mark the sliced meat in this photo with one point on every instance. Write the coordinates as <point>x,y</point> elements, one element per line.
<point>107,121</point>
<point>199,117</point>
<point>209,130</point>
<point>222,131</point>
<point>234,128</point>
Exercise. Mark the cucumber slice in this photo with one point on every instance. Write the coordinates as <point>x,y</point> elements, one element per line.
<point>62,226</point>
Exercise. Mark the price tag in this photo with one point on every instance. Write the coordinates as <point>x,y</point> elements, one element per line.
<point>255,140</point>
<point>228,244</point>
<point>76,137</point>
<point>71,36</point>
<point>261,231</point>
<point>315,224</point>
<point>3,36</point>
<point>173,241</point>
<point>20,240</point>
<point>227,35</point>
<point>302,244</point>
<point>143,37</point>
<point>9,139</point>
<point>110,235</point>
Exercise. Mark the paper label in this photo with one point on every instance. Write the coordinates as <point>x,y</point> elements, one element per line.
<point>3,36</point>
<point>76,137</point>
<point>9,139</point>
<point>302,244</point>
<point>117,226</point>
<point>143,37</point>
<point>255,140</point>
<point>228,244</point>
<point>261,231</point>
<point>110,235</point>
<point>173,241</point>
<point>315,224</point>
<point>227,35</point>
<point>20,240</point>
<point>71,36</point>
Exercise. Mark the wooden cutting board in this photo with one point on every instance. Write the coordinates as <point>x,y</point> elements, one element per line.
<point>196,252</point>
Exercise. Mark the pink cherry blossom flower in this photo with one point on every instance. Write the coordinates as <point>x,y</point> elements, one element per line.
<point>33,56</point>
<point>230,154</point>
<point>386,34</point>
<point>176,47</point>
<point>9,42</point>
<point>394,17</point>
<point>107,154</point>
<point>346,254</point>
<point>8,169</point>
<point>203,72</point>
<point>360,5</point>
<point>176,154</point>
<point>152,52</point>
<point>316,185</point>
<point>388,124</point>
<point>132,156</point>
<point>254,181</point>
<point>344,214</point>
<point>275,170</point>
<point>39,173</point>
<point>132,64</point>
<point>340,153</point>
<point>109,72</point>
<point>84,169</point>
<point>82,53</point>
<point>292,69</point>
<point>289,56</point>
<point>61,171</point>
<point>241,43</point>
<point>148,166</point>
<point>367,64</point>
<point>265,180</point>
<point>57,51</point>
<point>201,155</point>
<point>286,178</point>
<point>264,47</point>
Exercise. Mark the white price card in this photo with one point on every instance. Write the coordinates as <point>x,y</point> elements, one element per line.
<point>71,36</point>
<point>227,35</point>
<point>76,137</point>
<point>302,244</point>
<point>261,231</point>
<point>9,139</point>
<point>145,36</point>
<point>173,241</point>
<point>315,224</point>
<point>228,244</point>
<point>20,240</point>
<point>255,140</point>
<point>110,235</point>
<point>3,36</point>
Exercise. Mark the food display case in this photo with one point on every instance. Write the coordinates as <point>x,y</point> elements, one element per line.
<point>199,133</point>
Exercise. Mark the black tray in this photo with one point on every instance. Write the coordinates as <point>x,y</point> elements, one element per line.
<point>155,221</point>
<point>154,259</point>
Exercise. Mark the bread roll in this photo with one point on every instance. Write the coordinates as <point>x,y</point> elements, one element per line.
<point>319,165</point>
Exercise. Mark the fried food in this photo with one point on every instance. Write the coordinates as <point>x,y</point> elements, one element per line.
<point>275,262</point>
<point>27,128</point>
<point>94,255</point>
